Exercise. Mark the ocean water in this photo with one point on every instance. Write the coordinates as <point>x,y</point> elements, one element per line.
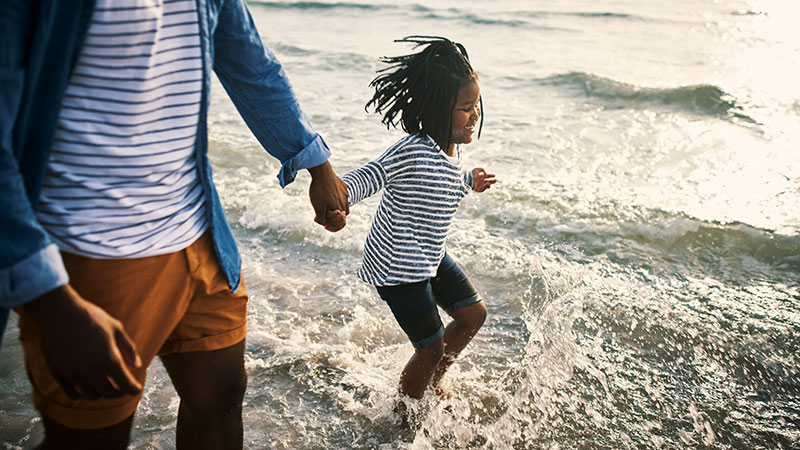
<point>639,256</point>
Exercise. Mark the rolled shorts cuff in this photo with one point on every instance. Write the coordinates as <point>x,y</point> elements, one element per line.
<point>206,344</point>
<point>471,300</point>
<point>86,419</point>
<point>430,339</point>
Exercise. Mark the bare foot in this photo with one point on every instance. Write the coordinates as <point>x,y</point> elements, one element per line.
<point>401,410</point>
<point>442,393</point>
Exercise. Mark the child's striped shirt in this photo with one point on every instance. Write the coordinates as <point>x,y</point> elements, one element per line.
<point>422,190</point>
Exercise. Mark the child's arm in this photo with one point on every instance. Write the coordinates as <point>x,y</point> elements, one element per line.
<point>481,180</point>
<point>361,183</point>
<point>364,182</point>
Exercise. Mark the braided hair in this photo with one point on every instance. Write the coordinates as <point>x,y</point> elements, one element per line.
<point>423,87</point>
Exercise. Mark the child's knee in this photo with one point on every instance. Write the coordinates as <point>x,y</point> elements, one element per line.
<point>480,315</point>
<point>433,352</point>
<point>473,316</point>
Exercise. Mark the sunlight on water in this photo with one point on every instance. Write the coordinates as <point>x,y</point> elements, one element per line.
<point>639,255</point>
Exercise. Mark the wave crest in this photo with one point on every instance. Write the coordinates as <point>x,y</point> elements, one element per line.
<point>700,98</point>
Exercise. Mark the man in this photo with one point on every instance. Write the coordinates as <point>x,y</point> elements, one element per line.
<point>113,244</point>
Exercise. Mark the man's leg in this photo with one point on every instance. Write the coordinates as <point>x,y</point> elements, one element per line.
<point>58,436</point>
<point>133,292</point>
<point>211,385</point>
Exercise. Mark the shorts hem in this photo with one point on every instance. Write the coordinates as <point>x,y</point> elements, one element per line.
<point>471,300</point>
<point>85,418</point>
<point>430,339</point>
<point>205,344</point>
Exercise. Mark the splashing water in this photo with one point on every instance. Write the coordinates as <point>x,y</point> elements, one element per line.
<point>639,256</point>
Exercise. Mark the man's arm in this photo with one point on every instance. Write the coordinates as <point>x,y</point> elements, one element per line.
<point>257,84</point>
<point>30,264</point>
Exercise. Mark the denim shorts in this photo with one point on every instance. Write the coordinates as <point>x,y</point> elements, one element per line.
<point>414,304</point>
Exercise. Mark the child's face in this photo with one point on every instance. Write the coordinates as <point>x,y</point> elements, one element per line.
<point>466,113</point>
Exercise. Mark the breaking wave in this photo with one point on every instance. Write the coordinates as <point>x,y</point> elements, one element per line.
<point>700,99</point>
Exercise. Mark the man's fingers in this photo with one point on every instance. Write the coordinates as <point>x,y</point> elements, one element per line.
<point>321,216</point>
<point>67,387</point>
<point>127,349</point>
<point>334,229</point>
<point>119,371</point>
<point>86,390</point>
<point>125,381</point>
<point>105,388</point>
<point>336,220</point>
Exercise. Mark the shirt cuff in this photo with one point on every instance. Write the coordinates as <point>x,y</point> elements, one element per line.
<point>32,277</point>
<point>315,153</point>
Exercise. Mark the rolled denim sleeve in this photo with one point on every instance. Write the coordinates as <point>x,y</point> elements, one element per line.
<point>259,88</point>
<point>32,277</point>
<point>30,264</point>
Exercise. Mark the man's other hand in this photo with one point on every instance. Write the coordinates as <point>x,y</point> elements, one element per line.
<point>87,350</point>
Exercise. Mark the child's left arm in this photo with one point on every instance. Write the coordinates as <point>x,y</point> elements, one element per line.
<point>481,180</point>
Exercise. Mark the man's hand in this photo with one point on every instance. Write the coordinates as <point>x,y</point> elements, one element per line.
<point>481,180</point>
<point>328,193</point>
<point>336,221</point>
<point>86,349</point>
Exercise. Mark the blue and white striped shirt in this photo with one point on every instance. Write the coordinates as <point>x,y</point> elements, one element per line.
<point>122,178</point>
<point>422,190</point>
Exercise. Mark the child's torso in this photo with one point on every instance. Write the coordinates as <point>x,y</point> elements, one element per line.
<point>423,191</point>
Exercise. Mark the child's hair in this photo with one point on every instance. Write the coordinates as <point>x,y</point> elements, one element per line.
<point>423,87</point>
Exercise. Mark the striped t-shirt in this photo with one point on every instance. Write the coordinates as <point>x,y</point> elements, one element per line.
<point>422,190</point>
<point>122,178</point>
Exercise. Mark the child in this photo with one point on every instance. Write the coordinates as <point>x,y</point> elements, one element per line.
<point>437,96</point>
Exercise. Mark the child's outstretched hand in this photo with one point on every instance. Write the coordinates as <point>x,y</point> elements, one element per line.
<point>336,220</point>
<point>481,180</point>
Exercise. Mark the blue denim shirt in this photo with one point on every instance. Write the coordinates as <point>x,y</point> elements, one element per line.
<point>41,42</point>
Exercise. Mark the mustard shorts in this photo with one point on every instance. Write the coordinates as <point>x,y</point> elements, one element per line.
<point>179,302</point>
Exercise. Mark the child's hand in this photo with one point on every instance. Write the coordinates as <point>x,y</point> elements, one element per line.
<point>336,220</point>
<point>481,180</point>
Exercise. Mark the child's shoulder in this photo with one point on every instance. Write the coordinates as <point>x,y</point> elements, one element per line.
<point>416,144</point>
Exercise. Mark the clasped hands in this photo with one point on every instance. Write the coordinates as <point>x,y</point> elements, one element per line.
<point>328,195</point>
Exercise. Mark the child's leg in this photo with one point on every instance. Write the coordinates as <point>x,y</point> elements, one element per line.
<point>466,323</point>
<point>416,312</point>
<point>420,368</point>
<point>456,295</point>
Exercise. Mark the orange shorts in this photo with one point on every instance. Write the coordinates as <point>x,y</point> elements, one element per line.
<point>179,302</point>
